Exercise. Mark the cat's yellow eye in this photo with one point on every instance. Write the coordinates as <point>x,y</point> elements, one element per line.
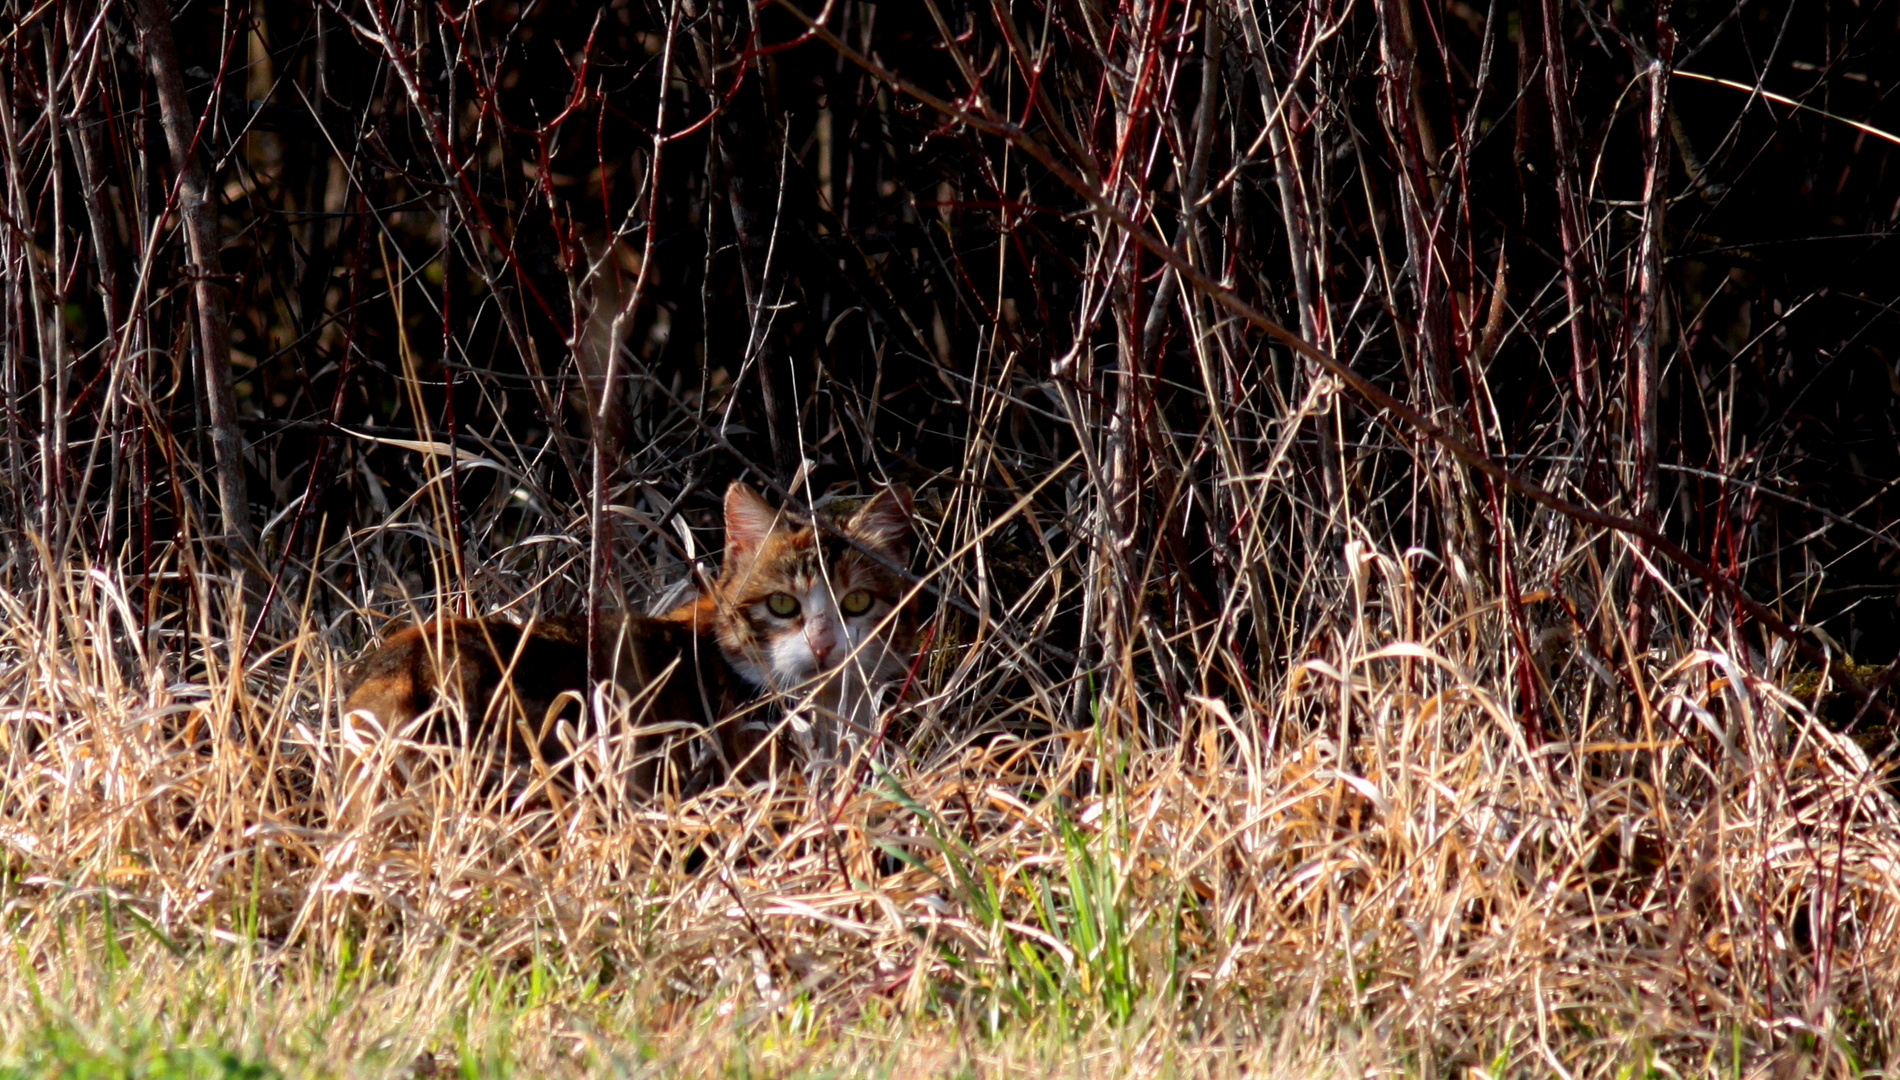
<point>784,605</point>
<point>855,602</point>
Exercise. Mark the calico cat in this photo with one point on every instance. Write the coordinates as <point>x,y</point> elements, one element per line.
<point>796,615</point>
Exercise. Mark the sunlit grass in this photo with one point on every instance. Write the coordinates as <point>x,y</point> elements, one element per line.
<point>182,899</point>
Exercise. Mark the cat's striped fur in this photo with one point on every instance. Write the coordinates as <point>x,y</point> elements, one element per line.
<point>795,614</point>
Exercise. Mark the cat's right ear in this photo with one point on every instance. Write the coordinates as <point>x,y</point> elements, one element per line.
<point>749,519</point>
<point>884,521</point>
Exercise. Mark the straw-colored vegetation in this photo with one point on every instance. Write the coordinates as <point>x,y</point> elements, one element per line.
<point>1283,711</point>
<point>1711,884</point>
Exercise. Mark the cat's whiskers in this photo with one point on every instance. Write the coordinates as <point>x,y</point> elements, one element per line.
<point>837,668</point>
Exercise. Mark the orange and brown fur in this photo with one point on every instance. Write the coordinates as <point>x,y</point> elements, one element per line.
<point>794,613</point>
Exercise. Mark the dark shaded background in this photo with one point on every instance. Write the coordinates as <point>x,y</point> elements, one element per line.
<point>835,268</point>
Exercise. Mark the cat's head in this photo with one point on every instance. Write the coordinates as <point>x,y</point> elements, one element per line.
<point>796,603</point>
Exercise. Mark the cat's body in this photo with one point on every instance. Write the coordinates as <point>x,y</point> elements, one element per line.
<point>795,614</point>
<point>492,681</point>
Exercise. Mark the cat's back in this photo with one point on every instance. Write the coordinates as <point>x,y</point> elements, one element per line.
<point>654,655</point>
<point>494,669</point>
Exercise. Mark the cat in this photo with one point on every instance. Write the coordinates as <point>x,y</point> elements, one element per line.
<point>798,616</point>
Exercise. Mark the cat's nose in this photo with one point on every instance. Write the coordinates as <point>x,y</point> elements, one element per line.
<point>824,641</point>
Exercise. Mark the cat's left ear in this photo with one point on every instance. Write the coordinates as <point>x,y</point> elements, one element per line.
<point>884,522</point>
<point>749,519</point>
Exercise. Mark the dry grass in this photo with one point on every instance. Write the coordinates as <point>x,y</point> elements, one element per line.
<point>1718,894</point>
